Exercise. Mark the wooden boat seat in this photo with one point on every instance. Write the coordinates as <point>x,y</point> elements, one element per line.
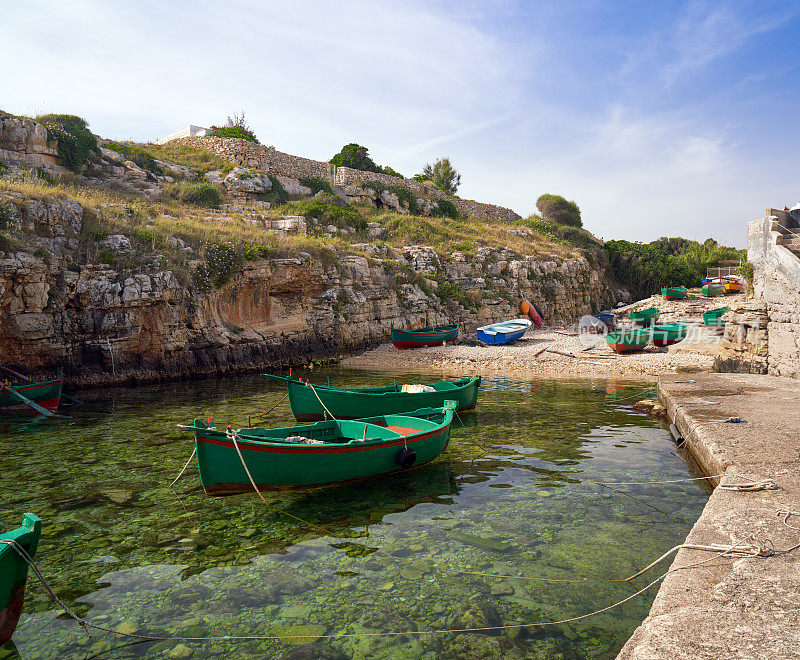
<point>402,430</point>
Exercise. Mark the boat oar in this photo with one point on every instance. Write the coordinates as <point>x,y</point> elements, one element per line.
<point>14,373</point>
<point>72,399</point>
<point>28,402</point>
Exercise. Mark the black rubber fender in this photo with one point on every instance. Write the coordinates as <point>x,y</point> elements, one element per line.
<point>676,434</point>
<point>405,458</point>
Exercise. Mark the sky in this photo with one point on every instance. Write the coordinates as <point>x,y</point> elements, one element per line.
<point>657,118</point>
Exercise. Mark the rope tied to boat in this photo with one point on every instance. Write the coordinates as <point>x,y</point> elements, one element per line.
<point>320,400</point>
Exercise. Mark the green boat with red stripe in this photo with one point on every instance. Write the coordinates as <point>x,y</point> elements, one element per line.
<point>14,571</point>
<point>310,402</point>
<point>433,336</point>
<point>326,452</point>
<point>46,394</point>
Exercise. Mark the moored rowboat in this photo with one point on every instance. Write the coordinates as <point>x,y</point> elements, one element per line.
<point>669,333</point>
<point>628,339</point>
<point>322,453</point>
<point>14,572</point>
<point>732,286</point>
<point>675,292</point>
<point>504,332</point>
<point>306,401</point>
<point>424,336</point>
<point>46,394</point>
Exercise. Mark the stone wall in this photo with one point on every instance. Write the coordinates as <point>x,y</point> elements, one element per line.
<point>104,325</point>
<point>248,154</point>
<point>23,143</point>
<point>745,345</point>
<point>776,283</point>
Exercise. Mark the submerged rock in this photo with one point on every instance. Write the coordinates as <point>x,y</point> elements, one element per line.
<point>484,542</point>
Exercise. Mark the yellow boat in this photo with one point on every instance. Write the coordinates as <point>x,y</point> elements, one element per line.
<point>732,286</point>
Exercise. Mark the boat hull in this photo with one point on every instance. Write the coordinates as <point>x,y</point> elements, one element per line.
<point>289,465</point>
<point>667,335</point>
<point>732,287</point>
<point>14,573</point>
<point>645,316</point>
<point>710,290</point>
<point>627,341</point>
<point>498,338</point>
<point>354,403</point>
<point>47,394</point>
<point>713,317</point>
<point>675,293</point>
<point>424,337</point>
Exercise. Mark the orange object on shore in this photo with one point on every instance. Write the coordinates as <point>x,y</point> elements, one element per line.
<point>530,311</point>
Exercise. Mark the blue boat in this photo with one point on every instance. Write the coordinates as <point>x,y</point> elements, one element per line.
<point>504,332</point>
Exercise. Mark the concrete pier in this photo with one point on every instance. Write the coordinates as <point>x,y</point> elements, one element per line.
<point>733,608</point>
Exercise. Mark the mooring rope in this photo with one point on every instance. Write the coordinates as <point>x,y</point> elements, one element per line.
<point>749,486</point>
<point>231,435</point>
<point>263,415</point>
<point>753,551</point>
<point>320,400</point>
<point>180,474</point>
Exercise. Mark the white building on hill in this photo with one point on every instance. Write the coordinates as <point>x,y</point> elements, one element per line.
<point>187,131</point>
<point>190,131</point>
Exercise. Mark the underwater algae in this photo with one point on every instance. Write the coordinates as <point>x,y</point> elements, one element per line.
<point>512,496</point>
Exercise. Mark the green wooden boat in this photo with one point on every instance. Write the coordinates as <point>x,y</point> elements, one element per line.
<point>434,336</point>
<point>713,317</point>
<point>628,339</point>
<point>667,334</point>
<point>675,292</point>
<point>645,316</point>
<point>322,453</point>
<point>14,572</point>
<point>713,289</point>
<point>352,403</point>
<point>46,394</point>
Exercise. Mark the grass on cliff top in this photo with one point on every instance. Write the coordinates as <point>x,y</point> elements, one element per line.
<point>197,159</point>
<point>464,235</point>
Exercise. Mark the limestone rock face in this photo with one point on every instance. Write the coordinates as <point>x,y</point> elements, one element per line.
<point>244,181</point>
<point>58,310</point>
<point>293,186</point>
<point>23,143</point>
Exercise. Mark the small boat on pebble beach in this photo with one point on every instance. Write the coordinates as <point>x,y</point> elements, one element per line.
<point>310,402</point>
<point>713,317</point>
<point>504,332</point>
<point>626,340</point>
<point>430,336</point>
<point>667,334</point>
<point>326,452</point>
<point>14,571</point>
<point>675,292</point>
<point>713,289</point>
<point>645,316</point>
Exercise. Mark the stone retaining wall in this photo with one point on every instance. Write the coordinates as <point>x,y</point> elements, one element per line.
<point>249,154</point>
<point>776,281</point>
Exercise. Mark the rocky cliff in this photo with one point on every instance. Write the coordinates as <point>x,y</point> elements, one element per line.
<point>61,308</point>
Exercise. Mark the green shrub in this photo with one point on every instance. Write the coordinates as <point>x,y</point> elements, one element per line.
<point>137,154</point>
<point>445,208</point>
<point>647,267</point>
<point>74,141</point>
<point>253,252</point>
<point>235,132</point>
<point>404,195</point>
<point>316,184</point>
<point>557,209</point>
<point>199,194</point>
<point>329,210</point>
<point>222,261</point>
<point>277,195</point>
<point>357,157</point>
<point>6,215</point>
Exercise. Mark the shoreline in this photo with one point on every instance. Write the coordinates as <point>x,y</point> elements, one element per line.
<point>746,604</point>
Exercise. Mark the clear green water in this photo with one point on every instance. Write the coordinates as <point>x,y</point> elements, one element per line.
<point>513,495</point>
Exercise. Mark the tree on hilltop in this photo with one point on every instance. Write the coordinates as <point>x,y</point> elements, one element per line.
<point>557,209</point>
<point>442,174</point>
<point>357,157</point>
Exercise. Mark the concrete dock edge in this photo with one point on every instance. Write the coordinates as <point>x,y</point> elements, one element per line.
<point>733,608</point>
